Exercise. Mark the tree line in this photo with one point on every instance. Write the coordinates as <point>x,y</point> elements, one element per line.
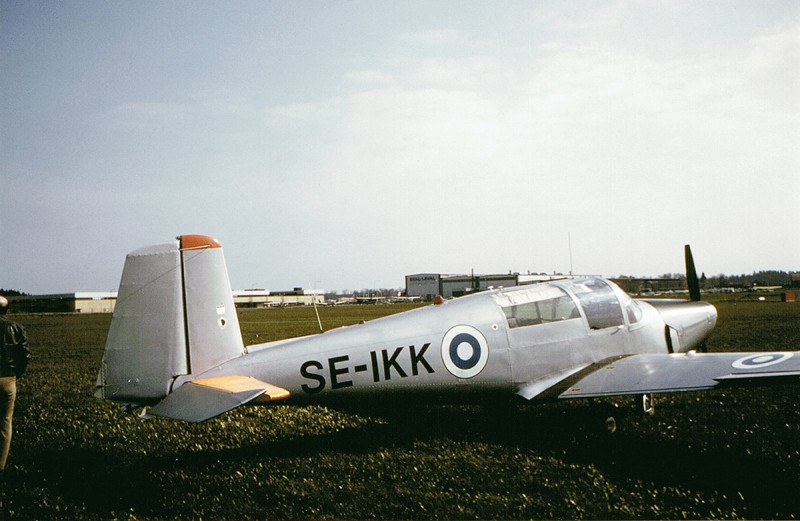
<point>12,293</point>
<point>757,278</point>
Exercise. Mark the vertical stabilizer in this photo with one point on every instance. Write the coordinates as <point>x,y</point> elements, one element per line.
<point>174,316</point>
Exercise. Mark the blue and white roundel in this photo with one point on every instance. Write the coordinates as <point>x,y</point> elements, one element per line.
<point>761,360</point>
<point>464,351</point>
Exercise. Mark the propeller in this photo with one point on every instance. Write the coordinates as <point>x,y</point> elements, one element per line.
<point>694,286</point>
<point>691,275</point>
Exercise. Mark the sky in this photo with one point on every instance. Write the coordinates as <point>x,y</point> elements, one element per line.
<point>343,145</point>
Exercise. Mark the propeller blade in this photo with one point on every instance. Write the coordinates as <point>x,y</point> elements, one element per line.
<point>691,275</point>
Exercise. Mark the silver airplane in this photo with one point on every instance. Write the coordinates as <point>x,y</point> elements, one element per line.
<point>174,345</point>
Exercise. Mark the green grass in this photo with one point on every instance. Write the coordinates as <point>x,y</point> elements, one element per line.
<point>726,454</point>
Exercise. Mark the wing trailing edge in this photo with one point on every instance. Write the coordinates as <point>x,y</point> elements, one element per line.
<point>206,398</point>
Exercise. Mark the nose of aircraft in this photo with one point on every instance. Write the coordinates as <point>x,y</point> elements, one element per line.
<point>691,322</point>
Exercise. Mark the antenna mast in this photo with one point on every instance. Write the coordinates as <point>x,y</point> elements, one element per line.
<point>314,300</point>
<point>569,240</point>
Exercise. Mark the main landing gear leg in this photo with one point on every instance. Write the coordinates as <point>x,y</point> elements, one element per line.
<point>648,404</point>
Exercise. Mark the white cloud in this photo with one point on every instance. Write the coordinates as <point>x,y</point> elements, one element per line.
<point>590,136</point>
<point>478,73</point>
<point>772,65</point>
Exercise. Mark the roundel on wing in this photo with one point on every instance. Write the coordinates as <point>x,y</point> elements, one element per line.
<point>761,360</point>
<point>464,351</point>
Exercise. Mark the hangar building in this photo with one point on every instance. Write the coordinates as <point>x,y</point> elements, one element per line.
<point>638,286</point>
<point>428,285</point>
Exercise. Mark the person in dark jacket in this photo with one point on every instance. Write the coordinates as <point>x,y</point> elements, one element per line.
<point>14,356</point>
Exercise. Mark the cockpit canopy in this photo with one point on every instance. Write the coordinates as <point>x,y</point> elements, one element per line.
<point>603,304</point>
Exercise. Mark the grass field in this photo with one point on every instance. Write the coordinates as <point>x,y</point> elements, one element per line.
<point>725,454</point>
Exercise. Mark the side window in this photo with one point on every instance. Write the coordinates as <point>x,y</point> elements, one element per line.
<point>553,305</point>
<point>600,303</point>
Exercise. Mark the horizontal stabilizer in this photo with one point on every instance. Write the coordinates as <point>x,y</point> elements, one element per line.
<point>243,384</point>
<point>668,373</point>
<point>206,398</point>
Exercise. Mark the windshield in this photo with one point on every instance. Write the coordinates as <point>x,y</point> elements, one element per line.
<point>632,309</point>
<point>599,302</point>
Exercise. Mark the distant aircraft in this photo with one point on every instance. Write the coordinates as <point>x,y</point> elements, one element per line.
<point>174,344</point>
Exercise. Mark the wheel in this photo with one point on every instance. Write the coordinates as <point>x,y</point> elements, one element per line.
<point>610,418</point>
<point>611,425</point>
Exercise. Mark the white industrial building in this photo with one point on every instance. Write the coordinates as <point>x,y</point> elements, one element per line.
<point>259,298</point>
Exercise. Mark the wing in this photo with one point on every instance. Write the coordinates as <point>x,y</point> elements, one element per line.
<point>202,399</point>
<point>669,373</point>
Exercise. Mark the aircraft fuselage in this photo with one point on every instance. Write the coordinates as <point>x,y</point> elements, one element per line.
<point>519,339</point>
